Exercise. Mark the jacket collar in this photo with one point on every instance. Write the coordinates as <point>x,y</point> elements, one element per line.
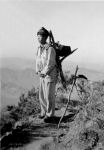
<point>45,46</point>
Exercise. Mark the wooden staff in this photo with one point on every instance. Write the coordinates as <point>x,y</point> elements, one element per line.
<point>69,96</point>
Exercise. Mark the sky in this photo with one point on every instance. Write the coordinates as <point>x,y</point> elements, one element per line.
<point>79,24</point>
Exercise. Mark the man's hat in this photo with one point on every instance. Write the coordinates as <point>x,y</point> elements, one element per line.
<point>43,32</point>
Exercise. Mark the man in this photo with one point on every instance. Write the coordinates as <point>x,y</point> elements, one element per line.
<point>46,68</point>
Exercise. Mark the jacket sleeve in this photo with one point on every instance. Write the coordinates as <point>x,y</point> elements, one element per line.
<point>37,69</point>
<point>51,61</point>
<point>37,62</point>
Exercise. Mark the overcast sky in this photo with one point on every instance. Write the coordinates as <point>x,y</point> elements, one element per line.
<point>79,24</point>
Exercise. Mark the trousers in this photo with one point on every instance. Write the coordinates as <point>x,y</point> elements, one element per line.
<point>47,97</point>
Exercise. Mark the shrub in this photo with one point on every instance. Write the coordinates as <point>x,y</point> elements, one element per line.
<point>27,105</point>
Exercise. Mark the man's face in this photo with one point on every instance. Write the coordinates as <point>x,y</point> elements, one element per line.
<point>42,39</point>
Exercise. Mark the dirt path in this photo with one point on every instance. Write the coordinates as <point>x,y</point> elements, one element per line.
<point>47,133</point>
<point>40,133</point>
<point>44,136</point>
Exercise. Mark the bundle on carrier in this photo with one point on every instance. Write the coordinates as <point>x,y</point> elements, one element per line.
<point>62,51</point>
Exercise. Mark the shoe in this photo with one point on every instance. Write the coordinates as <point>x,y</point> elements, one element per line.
<point>47,119</point>
<point>41,116</point>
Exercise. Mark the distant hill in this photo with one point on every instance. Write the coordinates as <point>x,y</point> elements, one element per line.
<point>23,63</point>
<point>91,74</point>
<point>17,63</point>
<point>18,75</point>
<point>15,82</point>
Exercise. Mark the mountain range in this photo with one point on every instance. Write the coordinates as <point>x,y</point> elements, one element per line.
<point>18,75</point>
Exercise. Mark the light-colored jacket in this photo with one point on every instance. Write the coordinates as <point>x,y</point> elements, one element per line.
<point>46,62</point>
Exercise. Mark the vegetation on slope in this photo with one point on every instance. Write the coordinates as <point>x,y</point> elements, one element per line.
<point>86,131</point>
<point>13,117</point>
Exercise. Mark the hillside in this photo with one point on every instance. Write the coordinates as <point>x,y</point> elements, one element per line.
<point>18,75</point>
<point>15,82</point>
<point>82,126</point>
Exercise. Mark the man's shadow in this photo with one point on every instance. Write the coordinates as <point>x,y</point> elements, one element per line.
<point>56,119</point>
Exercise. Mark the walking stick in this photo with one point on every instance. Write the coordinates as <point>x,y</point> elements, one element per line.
<point>69,97</point>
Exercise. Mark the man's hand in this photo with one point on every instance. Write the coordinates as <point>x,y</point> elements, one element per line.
<point>42,75</point>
